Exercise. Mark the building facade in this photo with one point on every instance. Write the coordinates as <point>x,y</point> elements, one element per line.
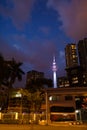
<point>63,82</point>
<point>66,104</point>
<point>82,51</point>
<point>75,76</point>
<point>34,75</point>
<point>18,101</point>
<point>71,55</point>
<point>73,69</point>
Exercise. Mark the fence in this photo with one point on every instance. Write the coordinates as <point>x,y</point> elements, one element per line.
<point>16,118</point>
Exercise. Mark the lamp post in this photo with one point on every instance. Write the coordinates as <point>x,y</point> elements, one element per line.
<point>78,115</point>
<point>46,108</point>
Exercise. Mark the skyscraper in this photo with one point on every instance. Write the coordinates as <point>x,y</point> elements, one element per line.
<point>34,75</point>
<point>54,68</point>
<point>82,51</point>
<point>71,55</point>
<point>74,71</point>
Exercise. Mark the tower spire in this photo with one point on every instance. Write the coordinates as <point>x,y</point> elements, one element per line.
<point>54,68</point>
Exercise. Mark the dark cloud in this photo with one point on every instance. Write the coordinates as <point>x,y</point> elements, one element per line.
<point>73,15</point>
<point>10,50</point>
<point>38,55</point>
<point>36,52</point>
<point>19,11</point>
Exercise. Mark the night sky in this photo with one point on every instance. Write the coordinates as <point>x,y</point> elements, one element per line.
<point>32,31</point>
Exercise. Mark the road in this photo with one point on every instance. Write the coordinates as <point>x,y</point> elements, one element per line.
<point>41,127</point>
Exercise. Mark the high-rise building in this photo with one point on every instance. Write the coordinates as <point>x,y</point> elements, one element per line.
<point>34,75</point>
<point>74,71</point>
<point>82,52</point>
<point>63,81</point>
<point>71,55</point>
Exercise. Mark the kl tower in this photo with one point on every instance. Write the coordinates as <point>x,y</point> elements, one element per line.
<point>54,69</point>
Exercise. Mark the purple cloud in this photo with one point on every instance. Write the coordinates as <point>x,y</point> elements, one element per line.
<point>38,55</point>
<point>73,15</point>
<point>33,54</point>
<point>19,11</point>
<point>9,51</point>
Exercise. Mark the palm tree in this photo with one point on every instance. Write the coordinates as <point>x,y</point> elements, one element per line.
<point>13,71</point>
<point>9,71</point>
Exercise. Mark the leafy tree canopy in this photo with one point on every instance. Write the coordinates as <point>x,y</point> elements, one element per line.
<point>9,71</point>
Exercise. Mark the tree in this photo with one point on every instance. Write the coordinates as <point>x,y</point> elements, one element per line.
<point>12,71</point>
<point>37,89</point>
<point>1,69</point>
<point>36,101</point>
<point>9,71</point>
<point>38,84</point>
<point>48,82</point>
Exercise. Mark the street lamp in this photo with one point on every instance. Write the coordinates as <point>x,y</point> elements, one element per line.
<point>46,108</point>
<point>78,115</point>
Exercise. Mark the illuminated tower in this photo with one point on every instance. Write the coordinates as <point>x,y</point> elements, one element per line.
<point>54,68</point>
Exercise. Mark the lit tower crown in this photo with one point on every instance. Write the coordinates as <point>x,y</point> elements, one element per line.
<point>54,68</point>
